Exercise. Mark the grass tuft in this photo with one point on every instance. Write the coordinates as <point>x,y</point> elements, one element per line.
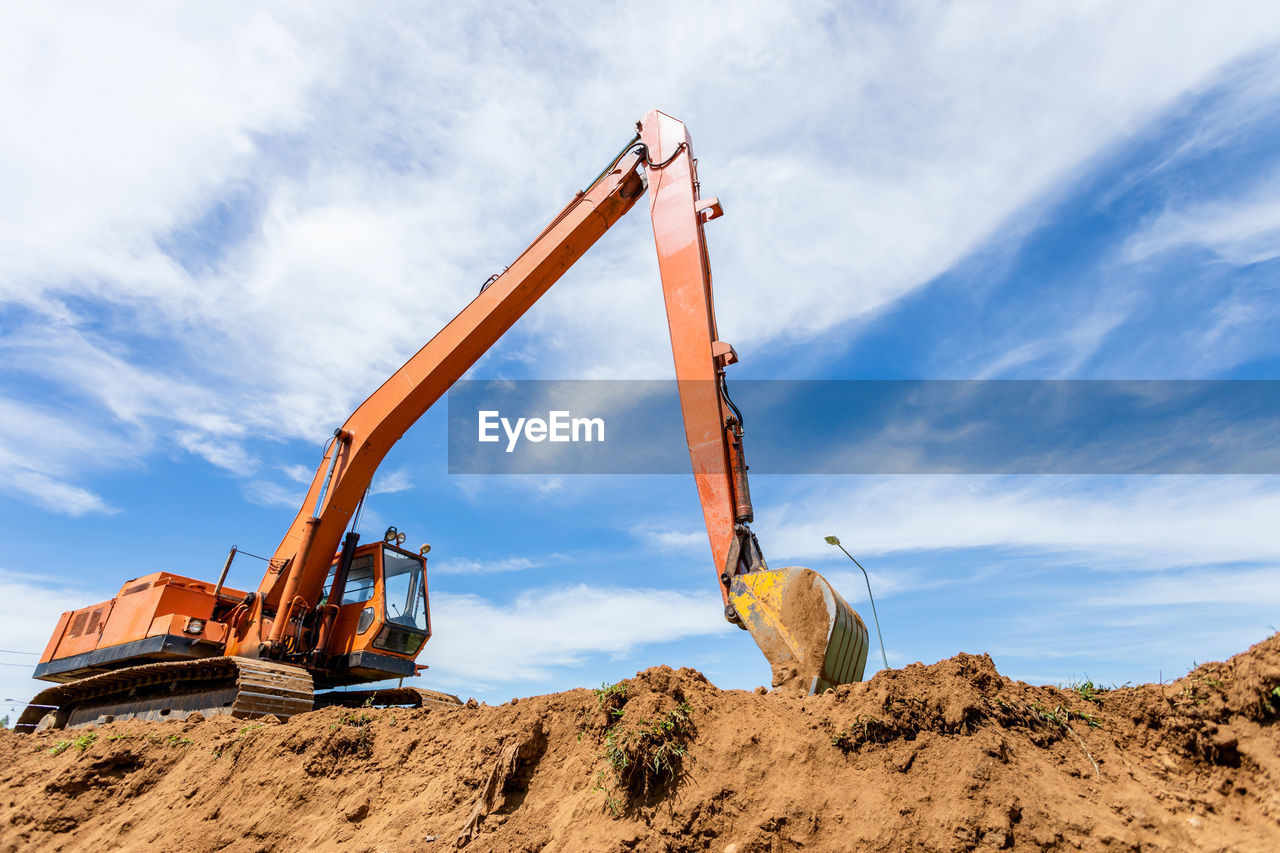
<point>640,754</point>
<point>81,743</point>
<point>1088,691</point>
<point>611,697</point>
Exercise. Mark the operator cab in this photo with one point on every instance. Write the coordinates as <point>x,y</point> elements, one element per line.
<point>383,618</point>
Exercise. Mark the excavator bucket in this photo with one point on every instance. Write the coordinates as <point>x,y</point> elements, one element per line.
<point>810,635</point>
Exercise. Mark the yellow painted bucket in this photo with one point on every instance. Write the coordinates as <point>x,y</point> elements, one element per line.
<point>811,637</point>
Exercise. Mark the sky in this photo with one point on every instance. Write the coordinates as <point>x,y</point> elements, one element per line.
<point>222,226</point>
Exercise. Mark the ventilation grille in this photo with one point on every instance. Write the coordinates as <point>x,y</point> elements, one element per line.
<point>86,622</point>
<point>77,624</point>
<point>139,587</point>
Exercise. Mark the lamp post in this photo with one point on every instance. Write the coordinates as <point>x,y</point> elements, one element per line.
<point>833,540</point>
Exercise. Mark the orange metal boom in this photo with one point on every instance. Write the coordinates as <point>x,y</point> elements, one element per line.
<point>665,156</point>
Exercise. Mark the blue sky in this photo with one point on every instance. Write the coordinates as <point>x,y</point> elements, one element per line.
<point>223,227</point>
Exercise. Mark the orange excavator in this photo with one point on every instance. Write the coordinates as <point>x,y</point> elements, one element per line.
<point>331,612</point>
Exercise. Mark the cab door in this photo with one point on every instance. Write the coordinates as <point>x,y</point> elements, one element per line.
<point>358,608</point>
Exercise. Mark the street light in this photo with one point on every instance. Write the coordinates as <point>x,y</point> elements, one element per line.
<point>833,540</point>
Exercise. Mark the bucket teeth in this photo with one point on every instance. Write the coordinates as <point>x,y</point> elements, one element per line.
<point>811,637</point>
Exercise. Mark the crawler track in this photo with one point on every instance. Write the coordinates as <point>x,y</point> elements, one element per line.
<point>240,687</point>
<point>416,697</point>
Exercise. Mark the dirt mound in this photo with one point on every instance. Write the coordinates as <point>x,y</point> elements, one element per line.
<point>951,756</point>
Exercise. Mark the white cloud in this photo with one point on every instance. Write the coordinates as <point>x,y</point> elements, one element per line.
<point>40,453</point>
<point>297,473</point>
<point>129,119</point>
<point>1069,345</point>
<point>883,146</point>
<point>549,485</point>
<point>477,642</point>
<point>1126,627</point>
<point>668,539</point>
<point>269,493</point>
<point>390,482</point>
<point>1249,586</point>
<point>227,455</point>
<point>32,606</point>
<point>465,566</point>
<point>1240,231</point>
<point>885,584</point>
<point>55,495</point>
<point>1146,522</point>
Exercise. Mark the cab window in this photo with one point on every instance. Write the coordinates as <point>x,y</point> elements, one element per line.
<point>406,599</point>
<point>359,581</point>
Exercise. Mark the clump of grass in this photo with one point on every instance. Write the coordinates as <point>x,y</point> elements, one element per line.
<point>81,743</point>
<point>640,754</point>
<point>242,736</point>
<point>177,740</point>
<point>864,729</point>
<point>643,755</point>
<point>361,721</point>
<point>1061,716</point>
<point>611,697</point>
<point>1088,691</point>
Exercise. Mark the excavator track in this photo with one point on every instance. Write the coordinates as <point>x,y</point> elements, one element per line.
<point>239,687</point>
<point>413,697</point>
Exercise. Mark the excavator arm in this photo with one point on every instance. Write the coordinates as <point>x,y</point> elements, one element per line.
<point>661,155</point>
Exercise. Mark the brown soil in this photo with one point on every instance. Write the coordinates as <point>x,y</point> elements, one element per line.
<point>804,612</point>
<point>951,756</point>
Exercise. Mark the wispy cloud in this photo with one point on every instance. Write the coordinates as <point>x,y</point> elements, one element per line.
<point>55,495</point>
<point>1147,522</point>
<point>549,485</point>
<point>130,121</point>
<point>227,455</point>
<point>1240,231</point>
<point>270,493</point>
<point>40,453</point>
<point>297,473</point>
<point>465,566</point>
<point>665,538</point>
<point>390,482</point>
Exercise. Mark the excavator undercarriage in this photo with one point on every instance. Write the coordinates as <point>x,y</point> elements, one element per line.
<point>232,686</point>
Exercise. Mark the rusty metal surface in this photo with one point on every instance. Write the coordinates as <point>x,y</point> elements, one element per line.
<point>239,687</point>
